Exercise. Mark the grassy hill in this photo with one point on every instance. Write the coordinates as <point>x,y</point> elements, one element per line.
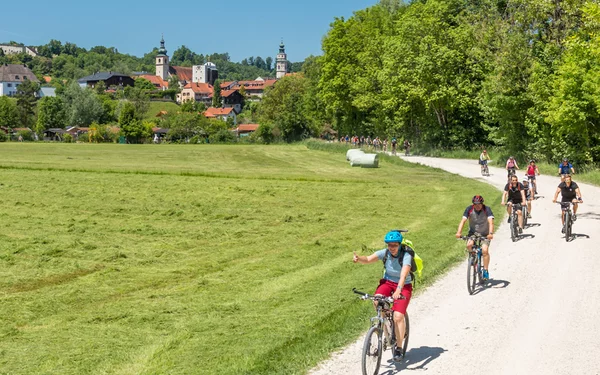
<point>201,259</point>
<point>156,107</point>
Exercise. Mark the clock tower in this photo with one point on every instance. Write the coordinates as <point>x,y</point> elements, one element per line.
<point>281,62</point>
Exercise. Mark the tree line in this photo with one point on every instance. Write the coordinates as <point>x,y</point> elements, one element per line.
<point>68,61</point>
<point>520,74</point>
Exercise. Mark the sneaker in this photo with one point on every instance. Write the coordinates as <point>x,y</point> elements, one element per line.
<point>520,230</point>
<point>528,215</point>
<point>486,274</point>
<point>562,230</point>
<point>398,357</point>
<point>574,217</point>
<point>509,219</point>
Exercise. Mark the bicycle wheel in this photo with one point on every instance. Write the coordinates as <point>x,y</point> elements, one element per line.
<point>568,225</point>
<point>480,270</point>
<point>471,273</point>
<point>487,171</point>
<point>514,224</point>
<point>371,355</point>
<point>406,334</point>
<point>525,216</point>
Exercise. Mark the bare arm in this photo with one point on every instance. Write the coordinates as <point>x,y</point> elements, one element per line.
<point>504,195</point>
<point>491,225</point>
<point>460,227</point>
<point>403,274</point>
<point>578,194</point>
<point>556,195</point>
<point>523,197</point>
<point>365,259</point>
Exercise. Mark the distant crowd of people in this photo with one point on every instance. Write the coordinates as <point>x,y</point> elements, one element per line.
<point>375,143</point>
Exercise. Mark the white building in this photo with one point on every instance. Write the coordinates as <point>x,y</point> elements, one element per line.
<point>205,73</point>
<point>11,76</point>
<point>13,50</point>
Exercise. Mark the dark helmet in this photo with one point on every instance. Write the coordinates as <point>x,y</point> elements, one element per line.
<point>532,161</point>
<point>477,199</point>
<point>565,159</point>
<point>512,157</point>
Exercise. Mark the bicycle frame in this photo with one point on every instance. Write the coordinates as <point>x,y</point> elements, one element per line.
<point>474,262</point>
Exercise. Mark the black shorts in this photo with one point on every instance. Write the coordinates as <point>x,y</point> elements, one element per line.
<point>515,202</point>
<point>531,177</point>
<point>568,199</point>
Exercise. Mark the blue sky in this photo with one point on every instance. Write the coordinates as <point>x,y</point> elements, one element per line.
<point>242,28</point>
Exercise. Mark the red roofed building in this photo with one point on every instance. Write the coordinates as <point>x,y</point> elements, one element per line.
<point>157,81</point>
<point>232,98</point>
<point>221,113</point>
<point>245,129</point>
<point>254,89</point>
<point>200,92</point>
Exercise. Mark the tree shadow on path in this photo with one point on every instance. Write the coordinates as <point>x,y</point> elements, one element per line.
<point>416,358</point>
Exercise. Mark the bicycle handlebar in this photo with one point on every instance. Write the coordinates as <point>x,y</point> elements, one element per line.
<point>377,297</point>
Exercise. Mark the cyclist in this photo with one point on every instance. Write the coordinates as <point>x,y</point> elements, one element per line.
<point>481,221</point>
<point>532,171</point>
<point>483,159</point>
<point>406,147</point>
<point>565,168</point>
<point>515,192</point>
<point>528,195</point>
<point>511,165</point>
<point>396,280</point>
<point>569,191</point>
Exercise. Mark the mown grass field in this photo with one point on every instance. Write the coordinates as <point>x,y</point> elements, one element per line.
<point>156,107</point>
<point>203,259</point>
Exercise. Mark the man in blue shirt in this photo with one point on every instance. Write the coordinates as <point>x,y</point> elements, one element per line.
<point>396,281</point>
<point>565,168</point>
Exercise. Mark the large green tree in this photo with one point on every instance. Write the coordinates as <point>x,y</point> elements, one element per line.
<point>26,97</point>
<point>9,116</point>
<point>51,114</point>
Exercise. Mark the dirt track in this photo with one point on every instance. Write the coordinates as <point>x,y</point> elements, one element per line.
<point>541,314</point>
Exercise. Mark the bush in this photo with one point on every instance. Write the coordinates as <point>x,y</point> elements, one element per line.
<point>222,136</point>
<point>26,134</point>
<point>68,138</point>
<point>3,136</point>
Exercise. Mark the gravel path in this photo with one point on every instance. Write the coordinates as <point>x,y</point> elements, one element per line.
<point>540,316</point>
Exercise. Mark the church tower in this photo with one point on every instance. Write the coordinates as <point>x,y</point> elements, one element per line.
<point>162,61</point>
<point>282,63</point>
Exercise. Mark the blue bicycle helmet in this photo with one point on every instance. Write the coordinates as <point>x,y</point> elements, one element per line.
<point>393,236</point>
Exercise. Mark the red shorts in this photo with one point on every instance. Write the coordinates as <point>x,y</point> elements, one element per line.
<point>387,288</point>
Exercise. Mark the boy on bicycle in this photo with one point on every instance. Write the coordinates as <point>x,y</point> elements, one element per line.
<point>396,282</point>
<point>532,171</point>
<point>565,168</point>
<point>481,221</point>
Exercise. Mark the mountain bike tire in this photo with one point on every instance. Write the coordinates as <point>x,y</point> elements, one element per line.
<point>471,274</point>
<point>568,225</point>
<point>514,224</point>
<point>372,350</point>
<point>406,335</point>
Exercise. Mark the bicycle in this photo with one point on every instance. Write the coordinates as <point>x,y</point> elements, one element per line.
<point>533,183</point>
<point>514,221</point>
<point>380,336</point>
<point>511,172</point>
<point>568,222</point>
<point>474,263</point>
<point>485,171</point>
<point>525,213</point>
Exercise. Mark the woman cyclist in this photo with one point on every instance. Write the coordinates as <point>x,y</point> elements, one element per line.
<point>396,281</point>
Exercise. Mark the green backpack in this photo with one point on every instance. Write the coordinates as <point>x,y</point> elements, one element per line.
<point>417,263</point>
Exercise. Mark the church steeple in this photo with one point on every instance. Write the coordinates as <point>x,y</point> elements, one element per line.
<point>281,61</point>
<point>162,61</point>
<point>162,50</point>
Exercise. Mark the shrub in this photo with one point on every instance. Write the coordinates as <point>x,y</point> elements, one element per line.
<point>68,138</point>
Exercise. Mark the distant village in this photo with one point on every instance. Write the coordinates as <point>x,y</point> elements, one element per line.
<point>195,83</point>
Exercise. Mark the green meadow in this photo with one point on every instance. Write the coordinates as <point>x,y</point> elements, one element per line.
<point>202,259</point>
